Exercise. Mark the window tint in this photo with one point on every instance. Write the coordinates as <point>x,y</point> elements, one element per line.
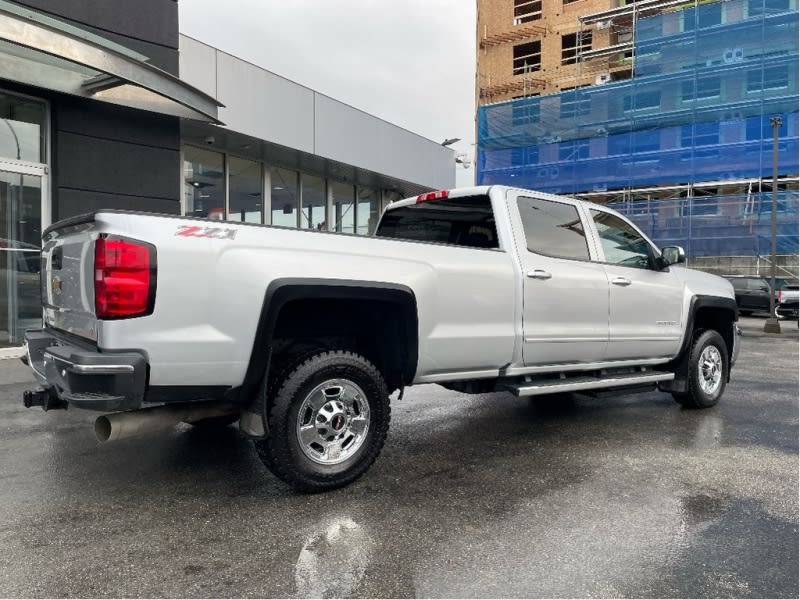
<point>553,228</point>
<point>739,284</point>
<point>622,244</point>
<point>757,284</point>
<point>467,221</point>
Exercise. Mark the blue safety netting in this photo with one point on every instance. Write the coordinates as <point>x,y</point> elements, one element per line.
<point>718,225</point>
<point>706,82</point>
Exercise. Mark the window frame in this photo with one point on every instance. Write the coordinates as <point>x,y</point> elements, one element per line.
<point>655,252</point>
<point>521,70</point>
<point>525,11</point>
<point>590,245</point>
<point>569,54</point>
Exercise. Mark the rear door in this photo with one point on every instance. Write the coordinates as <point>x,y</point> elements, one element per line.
<point>565,294</point>
<point>646,303</point>
<point>758,294</point>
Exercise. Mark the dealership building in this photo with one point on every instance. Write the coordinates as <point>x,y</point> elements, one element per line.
<point>106,105</point>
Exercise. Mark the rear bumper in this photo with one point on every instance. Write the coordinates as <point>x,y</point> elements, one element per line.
<point>788,310</point>
<point>86,378</point>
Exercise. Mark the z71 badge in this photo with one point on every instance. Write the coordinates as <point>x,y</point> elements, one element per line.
<point>216,233</point>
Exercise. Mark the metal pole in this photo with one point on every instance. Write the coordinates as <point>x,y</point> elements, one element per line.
<point>772,324</point>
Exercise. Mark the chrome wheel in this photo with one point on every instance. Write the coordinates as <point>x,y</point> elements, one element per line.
<point>333,421</point>
<point>710,370</point>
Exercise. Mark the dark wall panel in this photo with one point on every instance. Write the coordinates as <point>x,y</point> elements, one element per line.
<point>75,202</point>
<point>99,165</point>
<point>103,120</point>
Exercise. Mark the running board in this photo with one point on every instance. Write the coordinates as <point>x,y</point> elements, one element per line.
<point>577,384</point>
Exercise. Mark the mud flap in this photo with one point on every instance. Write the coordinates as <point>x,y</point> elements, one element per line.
<point>253,420</point>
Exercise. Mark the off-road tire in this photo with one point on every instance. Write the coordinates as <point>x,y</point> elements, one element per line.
<point>696,397</point>
<point>281,451</point>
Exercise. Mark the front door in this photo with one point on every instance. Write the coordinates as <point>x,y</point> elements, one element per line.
<point>565,294</point>
<point>21,199</point>
<point>646,302</point>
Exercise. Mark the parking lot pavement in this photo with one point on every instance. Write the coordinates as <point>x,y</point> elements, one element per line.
<point>473,496</point>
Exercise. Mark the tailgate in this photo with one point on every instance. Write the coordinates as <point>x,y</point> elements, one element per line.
<point>67,277</point>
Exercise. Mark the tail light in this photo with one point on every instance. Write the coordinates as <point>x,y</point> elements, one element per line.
<point>440,195</point>
<point>124,278</point>
<point>778,295</point>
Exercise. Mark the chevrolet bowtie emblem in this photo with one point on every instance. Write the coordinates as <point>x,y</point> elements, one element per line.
<point>56,285</point>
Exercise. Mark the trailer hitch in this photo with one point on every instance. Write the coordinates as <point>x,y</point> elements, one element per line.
<point>46,397</point>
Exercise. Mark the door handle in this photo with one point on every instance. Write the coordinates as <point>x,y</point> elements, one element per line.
<point>539,274</point>
<point>621,281</point>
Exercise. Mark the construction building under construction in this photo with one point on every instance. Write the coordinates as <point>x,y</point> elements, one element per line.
<point>662,108</point>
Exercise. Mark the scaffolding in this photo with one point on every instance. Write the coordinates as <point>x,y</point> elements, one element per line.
<point>695,115</point>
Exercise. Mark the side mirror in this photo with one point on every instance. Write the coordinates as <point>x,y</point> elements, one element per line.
<point>673,255</point>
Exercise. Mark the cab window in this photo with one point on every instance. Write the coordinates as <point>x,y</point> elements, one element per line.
<point>553,228</point>
<point>622,244</point>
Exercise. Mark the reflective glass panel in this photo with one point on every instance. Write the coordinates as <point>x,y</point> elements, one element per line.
<point>204,183</point>
<point>22,128</point>
<point>20,241</point>
<point>344,211</point>
<point>244,189</point>
<point>283,183</point>
<point>313,215</point>
<point>369,211</point>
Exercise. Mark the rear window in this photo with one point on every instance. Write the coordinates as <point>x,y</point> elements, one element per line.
<point>466,221</point>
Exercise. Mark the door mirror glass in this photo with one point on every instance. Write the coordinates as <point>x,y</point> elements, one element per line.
<point>673,255</point>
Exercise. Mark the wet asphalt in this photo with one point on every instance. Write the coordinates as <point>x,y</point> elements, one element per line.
<point>473,496</point>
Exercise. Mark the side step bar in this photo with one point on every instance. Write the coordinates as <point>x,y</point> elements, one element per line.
<point>577,384</point>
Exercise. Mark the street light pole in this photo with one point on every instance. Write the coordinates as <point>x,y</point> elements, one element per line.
<point>772,325</point>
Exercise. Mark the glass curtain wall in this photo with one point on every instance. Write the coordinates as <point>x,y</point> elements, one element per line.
<point>369,211</point>
<point>291,198</point>
<point>22,128</point>
<point>284,184</point>
<point>344,211</point>
<point>22,140</point>
<point>204,183</point>
<point>314,203</point>
<point>244,190</point>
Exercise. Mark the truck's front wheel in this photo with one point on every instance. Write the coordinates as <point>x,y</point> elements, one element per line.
<point>327,422</point>
<point>707,372</point>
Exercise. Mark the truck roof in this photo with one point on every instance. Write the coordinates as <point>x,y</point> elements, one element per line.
<point>485,189</point>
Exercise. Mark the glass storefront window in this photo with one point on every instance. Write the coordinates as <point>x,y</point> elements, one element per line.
<point>20,241</point>
<point>313,215</point>
<point>369,211</point>
<point>22,128</point>
<point>344,212</point>
<point>284,197</point>
<point>204,183</point>
<point>244,188</point>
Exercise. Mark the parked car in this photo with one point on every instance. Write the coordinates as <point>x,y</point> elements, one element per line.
<point>752,293</point>
<point>787,299</point>
<point>788,309</point>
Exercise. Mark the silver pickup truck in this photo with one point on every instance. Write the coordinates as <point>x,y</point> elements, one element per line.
<point>302,336</point>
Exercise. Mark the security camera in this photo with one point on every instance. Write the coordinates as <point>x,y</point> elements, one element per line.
<point>209,139</point>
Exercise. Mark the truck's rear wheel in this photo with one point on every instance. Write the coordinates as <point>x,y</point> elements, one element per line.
<point>708,371</point>
<point>327,422</point>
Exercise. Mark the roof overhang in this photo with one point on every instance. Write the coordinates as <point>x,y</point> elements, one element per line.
<point>42,51</point>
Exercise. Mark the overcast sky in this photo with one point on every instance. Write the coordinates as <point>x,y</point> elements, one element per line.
<point>410,62</point>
